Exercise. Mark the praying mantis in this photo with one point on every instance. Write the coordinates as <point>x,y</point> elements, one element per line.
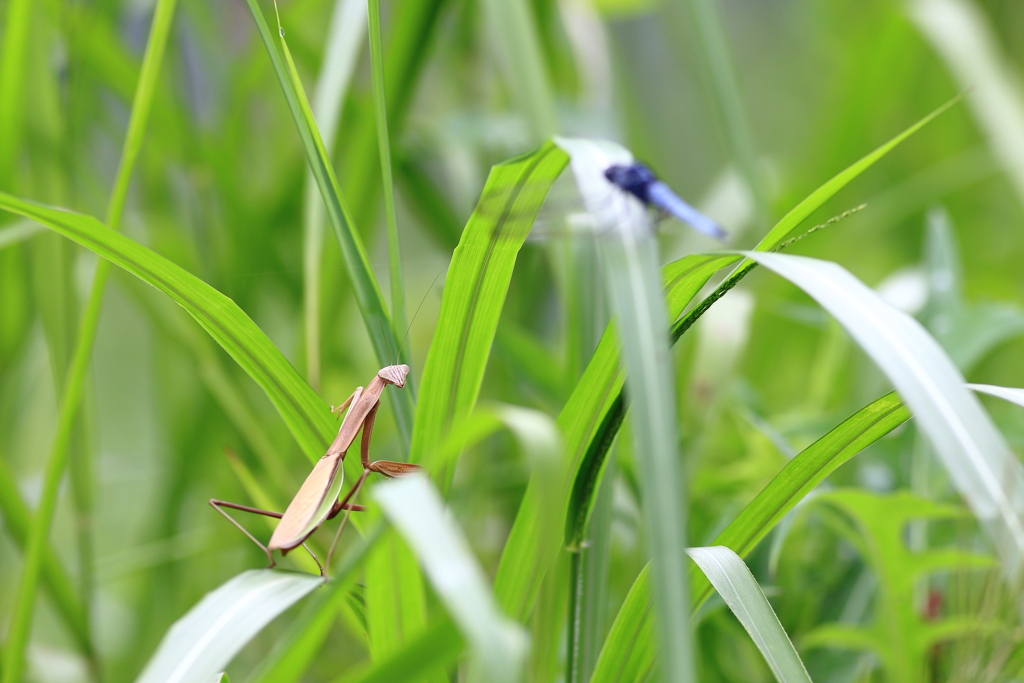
<point>318,498</point>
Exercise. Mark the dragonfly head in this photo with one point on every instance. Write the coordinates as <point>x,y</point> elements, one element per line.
<point>634,178</point>
<point>394,374</point>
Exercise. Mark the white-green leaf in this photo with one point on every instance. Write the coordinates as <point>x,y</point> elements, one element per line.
<point>1011,394</point>
<point>980,463</point>
<point>631,270</point>
<point>415,508</point>
<point>200,644</point>
<point>737,586</point>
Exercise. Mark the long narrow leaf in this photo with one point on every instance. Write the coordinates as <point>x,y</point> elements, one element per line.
<point>978,460</point>
<point>629,649</point>
<point>12,84</point>
<point>344,40</point>
<point>475,290</point>
<point>35,548</point>
<point>364,284</point>
<point>630,270</point>
<point>205,640</point>
<point>737,586</point>
<point>415,508</point>
<point>380,111</point>
<point>303,411</point>
<point>16,524</point>
<point>1011,394</point>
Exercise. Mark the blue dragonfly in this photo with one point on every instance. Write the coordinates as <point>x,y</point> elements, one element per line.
<point>641,182</point>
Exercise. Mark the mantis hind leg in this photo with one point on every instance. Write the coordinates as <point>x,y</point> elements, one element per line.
<point>218,505</point>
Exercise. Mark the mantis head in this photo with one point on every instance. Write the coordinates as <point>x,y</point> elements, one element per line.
<point>394,374</point>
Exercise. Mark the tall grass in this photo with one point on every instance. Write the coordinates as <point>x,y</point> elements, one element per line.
<point>572,452</point>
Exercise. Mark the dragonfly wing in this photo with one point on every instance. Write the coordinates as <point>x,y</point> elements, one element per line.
<point>311,505</point>
<point>662,197</point>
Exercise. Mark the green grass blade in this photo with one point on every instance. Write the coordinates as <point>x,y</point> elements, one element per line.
<point>513,32</point>
<point>629,649</point>
<point>13,57</point>
<point>739,589</point>
<point>436,648</point>
<point>380,111</point>
<point>416,509</point>
<point>407,47</point>
<point>979,461</point>
<point>364,284</point>
<point>475,290</point>
<point>303,411</point>
<point>24,606</point>
<point>344,40</point>
<point>714,47</point>
<point>395,599</point>
<point>595,410</point>
<point>630,268</point>
<point>204,641</point>
<point>801,211</point>
<point>16,523</point>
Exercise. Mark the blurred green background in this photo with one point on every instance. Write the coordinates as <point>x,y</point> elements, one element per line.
<point>744,110</point>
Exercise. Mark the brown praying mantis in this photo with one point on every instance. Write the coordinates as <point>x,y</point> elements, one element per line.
<point>318,498</point>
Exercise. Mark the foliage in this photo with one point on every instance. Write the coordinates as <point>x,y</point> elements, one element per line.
<point>901,632</point>
<point>531,522</point>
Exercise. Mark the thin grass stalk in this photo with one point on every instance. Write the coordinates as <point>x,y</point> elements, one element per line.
<point>714,46</point>
<point>348,24</point>
<point>588,599</point>
<point>635,292</point>
<point>57,305</point>
<point>513,32</point>
<point>16,523</point>
<point>21,616</point>
<point>380,112</point>
<point>12,85</point>
<point>589,567</point>
<point>364,283</point>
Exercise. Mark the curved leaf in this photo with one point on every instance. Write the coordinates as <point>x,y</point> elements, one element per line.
<point>629,649</point>
<point>737,586</point>
<point>594,412</point>
<point>364,284</point>
<point>306,415</point>
<point>201,643</point>
<point>977,458</point>
<point>475,290</point>
<point>1011,394</point>
<point>416,509</point>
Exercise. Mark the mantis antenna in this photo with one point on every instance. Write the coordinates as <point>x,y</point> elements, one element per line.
<point>431,287</point>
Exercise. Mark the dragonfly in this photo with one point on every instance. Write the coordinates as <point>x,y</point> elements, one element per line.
<point>563,210</point>
<point>638,180</point>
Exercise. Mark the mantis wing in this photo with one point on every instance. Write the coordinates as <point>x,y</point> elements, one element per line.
<point>311,504</point>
